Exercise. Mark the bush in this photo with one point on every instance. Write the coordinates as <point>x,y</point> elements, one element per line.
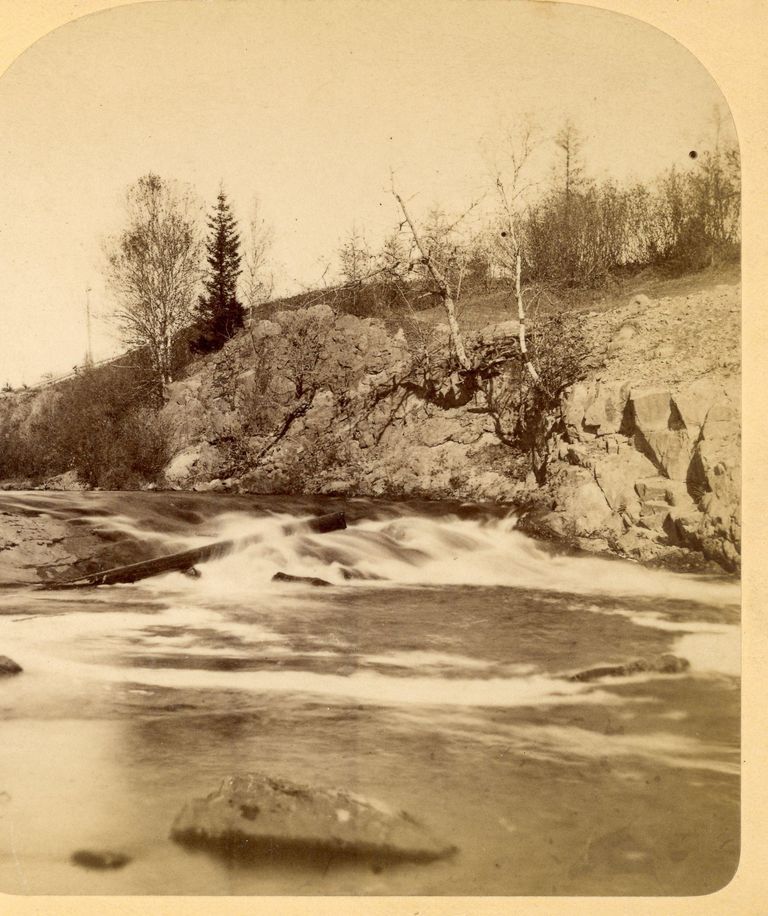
<point>100,424</point>
<point>524,412</point>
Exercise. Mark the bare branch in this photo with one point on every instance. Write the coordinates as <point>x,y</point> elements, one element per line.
<point>448,296</point>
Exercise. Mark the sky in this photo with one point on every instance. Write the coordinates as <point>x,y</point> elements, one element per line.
<point>309,107</point>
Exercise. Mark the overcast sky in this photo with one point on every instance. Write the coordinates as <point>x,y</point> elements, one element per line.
<point>307,106</point>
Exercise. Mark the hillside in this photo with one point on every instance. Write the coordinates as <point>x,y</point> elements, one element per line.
<point>645,451</point>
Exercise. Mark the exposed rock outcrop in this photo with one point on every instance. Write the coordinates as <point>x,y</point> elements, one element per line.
<point>331,404</point>
<point>665,461</point>
<point>646,461</point>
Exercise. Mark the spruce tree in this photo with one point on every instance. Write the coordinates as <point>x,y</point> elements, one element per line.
<point>220,312</point>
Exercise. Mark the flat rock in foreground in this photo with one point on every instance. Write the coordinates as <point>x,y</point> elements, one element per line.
<point>254,816</point>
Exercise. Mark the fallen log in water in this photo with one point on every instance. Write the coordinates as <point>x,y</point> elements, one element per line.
<point>187,559</point>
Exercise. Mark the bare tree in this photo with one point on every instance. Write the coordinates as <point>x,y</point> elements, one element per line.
<point>569,142</point>
<point>355,263</point>
<point>154,267</point>
<point>447,283</point>
<point>258,280</point>
<point>512,199</point>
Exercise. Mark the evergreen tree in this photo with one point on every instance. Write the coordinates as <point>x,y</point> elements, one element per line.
<point>220,312</point>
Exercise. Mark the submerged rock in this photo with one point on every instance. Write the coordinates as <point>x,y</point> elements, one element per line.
<point>100,858</point>
<point>8,666</point>
<point>254,816</point>
<point>305,580</point>
<point>665,664</point>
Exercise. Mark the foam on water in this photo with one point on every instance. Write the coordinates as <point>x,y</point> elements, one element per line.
<point>709,647</point>
<point>423,551</point>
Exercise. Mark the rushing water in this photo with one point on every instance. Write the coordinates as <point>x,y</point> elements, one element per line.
<point>432,675</point>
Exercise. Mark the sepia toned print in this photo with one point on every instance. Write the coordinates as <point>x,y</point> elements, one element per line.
<point>370,456</point>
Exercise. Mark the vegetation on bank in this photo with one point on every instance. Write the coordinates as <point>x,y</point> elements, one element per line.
<point>541,249</point>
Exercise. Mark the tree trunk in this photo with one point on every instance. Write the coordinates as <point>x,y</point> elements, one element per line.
<point>456,337</point>
<point>442,285</point>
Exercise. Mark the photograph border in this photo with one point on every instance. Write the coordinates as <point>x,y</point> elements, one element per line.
<point>729,39</point>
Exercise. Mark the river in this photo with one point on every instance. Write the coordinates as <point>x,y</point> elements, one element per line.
<point>432,675</point>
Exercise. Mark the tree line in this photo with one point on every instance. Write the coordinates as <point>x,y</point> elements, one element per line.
<point>571,232</point>
<point>158,264</point>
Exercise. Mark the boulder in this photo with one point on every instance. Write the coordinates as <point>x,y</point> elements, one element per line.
<point>500,332</point>
<point>654,487</point>
<point>604,413</point>
<point>197,462</point>
<point>618,476</point>
<point>66,481</point>
<point>180,467</point>
<point>654,514</point>
<point>254,816</point>
<point>583,503</point>
<point>651,408</point>
<point>670,449</point>
<point>694,401</point>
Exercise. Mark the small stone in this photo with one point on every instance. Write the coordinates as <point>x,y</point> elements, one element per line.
<point>100,859</point>
<point>8,666</point>
<point>303,580</point>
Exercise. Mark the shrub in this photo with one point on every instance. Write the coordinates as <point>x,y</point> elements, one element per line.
<point>100,424</point>
<point>524,411</point>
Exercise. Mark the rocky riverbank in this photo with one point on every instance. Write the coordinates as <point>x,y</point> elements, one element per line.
<point>649,459</point>
<point>646,463</point>
<point>645,454</point>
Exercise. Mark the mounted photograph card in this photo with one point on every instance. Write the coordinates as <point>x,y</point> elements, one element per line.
<point>370,456</point>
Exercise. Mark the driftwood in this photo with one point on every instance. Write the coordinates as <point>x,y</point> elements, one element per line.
<point>188,559</point>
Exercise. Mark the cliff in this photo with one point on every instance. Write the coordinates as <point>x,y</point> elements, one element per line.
<point>645,452</point>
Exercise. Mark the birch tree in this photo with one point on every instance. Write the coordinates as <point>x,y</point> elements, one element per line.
<point>154,269</point>
<point>447,287</point>
<point>512,204</point>
<point>258,280</point>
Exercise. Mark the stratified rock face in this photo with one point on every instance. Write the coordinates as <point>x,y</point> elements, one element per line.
<point>254,816</point>
<point>670,469</point>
